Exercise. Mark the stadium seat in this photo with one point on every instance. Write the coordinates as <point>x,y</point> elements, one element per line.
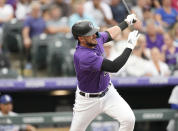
<point>39,51</point>
<point>6,73</point>
<point>60,56</point>
<point>12,39</point>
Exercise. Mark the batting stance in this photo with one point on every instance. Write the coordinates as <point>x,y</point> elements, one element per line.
<point>95,93</point>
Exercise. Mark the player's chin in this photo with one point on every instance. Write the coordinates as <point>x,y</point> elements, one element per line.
<point>94,42</point>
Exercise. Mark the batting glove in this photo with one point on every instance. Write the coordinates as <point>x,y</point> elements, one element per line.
<point>131,19</point>
<point>132,39</point>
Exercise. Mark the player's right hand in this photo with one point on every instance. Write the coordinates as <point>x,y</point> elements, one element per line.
<point>131,19</point>
<point>132,39</point>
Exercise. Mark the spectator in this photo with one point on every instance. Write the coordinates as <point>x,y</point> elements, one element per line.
<point>120,44</point>
<point>34,25</point>
<point>156,67</point>
<point>57,23</point>
<point>118,10</point>
<point>65,8</point>
<point>166,15</point>
<point>137,65</point>
<point>153,38</point>
<point>147,15</point>
<point>12,3</point>
<point>79,14</point>
<point>117,49</point>
<point>153,4</point>
<point>170,52</point>
<point>100,11</point>
<point>6,14</point>
<point>174,34</point>
<point>22,9</point>
<point>173,101</point>
<point>6,107</point>
<point>45,7</point>
<point>107,1</point>
<point>174,4</point>
<point>145,51</point>
<point>45,3</point>
<point>139,8</point>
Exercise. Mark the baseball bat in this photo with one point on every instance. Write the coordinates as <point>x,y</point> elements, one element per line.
<point>127,8</point>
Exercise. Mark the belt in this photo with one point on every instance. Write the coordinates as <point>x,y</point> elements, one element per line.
<point>92,95</point>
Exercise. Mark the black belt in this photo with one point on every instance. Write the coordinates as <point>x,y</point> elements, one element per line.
<point>101,94</point>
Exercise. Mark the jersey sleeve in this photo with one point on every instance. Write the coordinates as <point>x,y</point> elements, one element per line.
<point>105,37</point>
<point>91,62</point>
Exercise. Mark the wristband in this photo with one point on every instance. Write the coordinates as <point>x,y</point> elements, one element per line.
<point>123,25</point>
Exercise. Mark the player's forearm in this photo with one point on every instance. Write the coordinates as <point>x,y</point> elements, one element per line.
<point>115,31</point>
<point>118,63</point>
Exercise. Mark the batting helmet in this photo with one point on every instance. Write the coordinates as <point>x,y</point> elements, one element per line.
<point>83,28</point>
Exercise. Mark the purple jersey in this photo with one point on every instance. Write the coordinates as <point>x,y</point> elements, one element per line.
<point>159,42</point>
<point>171,58</point>
<point>88,63</point>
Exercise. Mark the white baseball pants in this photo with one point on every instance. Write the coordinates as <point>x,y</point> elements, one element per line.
<point>86,109</point>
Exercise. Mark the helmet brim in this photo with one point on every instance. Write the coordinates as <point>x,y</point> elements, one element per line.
<point>92,32</point>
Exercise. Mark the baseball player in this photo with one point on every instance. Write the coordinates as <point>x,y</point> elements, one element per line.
<point>95,93</point>
<point>6,107</point>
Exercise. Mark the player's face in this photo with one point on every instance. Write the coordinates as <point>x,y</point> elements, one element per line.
<point>91,39</point>
<point>6,108</point>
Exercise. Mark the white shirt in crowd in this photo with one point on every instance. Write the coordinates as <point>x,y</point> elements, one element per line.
<point>164,69</point>
<point>136,66</point>
<point>6,11</point>
<point>22,11</point>
<point>138,11</point>
<point>97,14</point>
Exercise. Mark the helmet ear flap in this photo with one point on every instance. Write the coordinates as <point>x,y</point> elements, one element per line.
<point>97,35</point>
<point>76,37</point>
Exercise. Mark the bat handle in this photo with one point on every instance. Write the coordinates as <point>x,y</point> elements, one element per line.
<point>132,27</point>
<point>134,21</point>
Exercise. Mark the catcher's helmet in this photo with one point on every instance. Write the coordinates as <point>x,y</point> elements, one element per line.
<point>83,28</point>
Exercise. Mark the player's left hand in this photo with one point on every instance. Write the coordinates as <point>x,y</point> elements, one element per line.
<point>131,19</point>
<point>132,39</point>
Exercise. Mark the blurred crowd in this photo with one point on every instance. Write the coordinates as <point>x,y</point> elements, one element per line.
<point>156,53</point>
